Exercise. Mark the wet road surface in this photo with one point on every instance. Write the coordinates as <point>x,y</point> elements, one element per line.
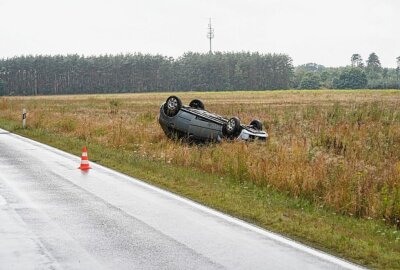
<point>54,216</point>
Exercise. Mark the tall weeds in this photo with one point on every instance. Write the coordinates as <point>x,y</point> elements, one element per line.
<point>338,149</point>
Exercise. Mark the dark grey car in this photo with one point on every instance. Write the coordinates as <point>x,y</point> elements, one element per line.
<point>195,123</point>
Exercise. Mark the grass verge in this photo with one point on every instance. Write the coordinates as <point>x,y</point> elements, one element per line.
<point>367,242</point>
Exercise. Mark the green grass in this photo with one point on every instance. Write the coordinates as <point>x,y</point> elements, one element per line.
<point>364,241</point>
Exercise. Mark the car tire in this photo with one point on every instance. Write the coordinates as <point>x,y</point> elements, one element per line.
<point>257,124</point>
<point>197,104</point>
<point>172,106</point>
<point>231,128</point>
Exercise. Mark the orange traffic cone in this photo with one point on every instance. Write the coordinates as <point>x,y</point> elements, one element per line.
<point>84,160</point>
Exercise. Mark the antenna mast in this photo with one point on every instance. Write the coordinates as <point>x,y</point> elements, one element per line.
<point>210,33</point>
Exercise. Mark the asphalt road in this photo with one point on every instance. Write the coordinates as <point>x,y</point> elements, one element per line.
<point>53,216</point>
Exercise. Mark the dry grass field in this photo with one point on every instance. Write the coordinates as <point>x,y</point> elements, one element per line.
<point>338,149</point>
<point>328,176</point>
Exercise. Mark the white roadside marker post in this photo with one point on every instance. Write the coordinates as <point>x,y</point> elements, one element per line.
<point>23,118</point>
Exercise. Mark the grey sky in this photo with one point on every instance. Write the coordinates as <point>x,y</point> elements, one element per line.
<point>325,32</point>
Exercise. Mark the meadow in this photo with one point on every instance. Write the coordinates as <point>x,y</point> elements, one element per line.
<point>333,150</point>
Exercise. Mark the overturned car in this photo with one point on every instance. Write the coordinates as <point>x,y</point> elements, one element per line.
<point>194,123</point>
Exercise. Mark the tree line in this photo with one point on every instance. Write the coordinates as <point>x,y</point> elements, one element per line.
<point>357,75</point>
<point>128,73</point>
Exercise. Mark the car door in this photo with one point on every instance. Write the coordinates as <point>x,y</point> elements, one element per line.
<point>203,129</point>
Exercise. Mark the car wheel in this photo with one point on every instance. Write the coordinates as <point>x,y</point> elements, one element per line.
<point>197,104</point>
<point>232,127</point>
<point>172,106</point>
<point>256,124</point>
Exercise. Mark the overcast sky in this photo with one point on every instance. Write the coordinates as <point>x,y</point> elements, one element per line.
<point>327,32</point>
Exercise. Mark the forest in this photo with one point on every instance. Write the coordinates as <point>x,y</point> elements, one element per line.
<point>129,73</point>
<point>133,73</point>
<point>357,75</point>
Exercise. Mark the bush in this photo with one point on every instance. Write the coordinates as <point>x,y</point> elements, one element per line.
<point>310,80</point>
<point>351,78</point>
<point>384,84</point>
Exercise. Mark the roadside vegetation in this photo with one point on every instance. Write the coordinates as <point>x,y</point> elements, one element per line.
<point>329,176</point>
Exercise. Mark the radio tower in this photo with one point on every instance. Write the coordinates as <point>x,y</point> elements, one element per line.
<point>210,33</point>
